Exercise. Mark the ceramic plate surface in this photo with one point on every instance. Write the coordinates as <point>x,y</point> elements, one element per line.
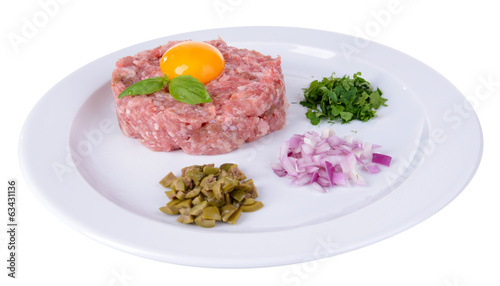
<point>79,164</point>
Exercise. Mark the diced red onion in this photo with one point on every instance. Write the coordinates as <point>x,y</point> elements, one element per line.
<point>323,182</point>
<point>304,180</point>
<point>315,177</point>
<point>307,149</point>
<point>318,187</point>
<point>294,141</point>
<point>327,160</point>
<point>381,159</point>
<point>340,179</point>
<point>372,168</point>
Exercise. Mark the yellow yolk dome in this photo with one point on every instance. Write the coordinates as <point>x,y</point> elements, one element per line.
<point>197,59</point>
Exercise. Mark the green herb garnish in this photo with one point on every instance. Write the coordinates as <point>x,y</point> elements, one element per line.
<point>343,98</point>
<point>183,88</point>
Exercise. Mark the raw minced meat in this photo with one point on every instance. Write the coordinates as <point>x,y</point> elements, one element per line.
<point>248,102</point>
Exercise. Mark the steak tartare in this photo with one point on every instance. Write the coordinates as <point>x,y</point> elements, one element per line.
<point>248,102</point>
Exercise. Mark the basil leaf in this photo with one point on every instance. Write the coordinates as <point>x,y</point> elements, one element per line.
<point>145,86</point>
<point>183,88</point>
<point>187,89</point>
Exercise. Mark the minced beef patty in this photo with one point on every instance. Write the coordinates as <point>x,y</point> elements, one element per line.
<point>248,102</point>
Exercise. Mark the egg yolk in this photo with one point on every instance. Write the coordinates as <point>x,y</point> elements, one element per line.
<point>197,59</point>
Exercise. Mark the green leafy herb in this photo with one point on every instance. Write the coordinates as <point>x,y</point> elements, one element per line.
<point>343,98</point>
<point>145,86</point>
<point>187,89</point>
<point>183,88</point>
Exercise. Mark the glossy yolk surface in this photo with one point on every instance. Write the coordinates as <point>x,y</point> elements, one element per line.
<point>200,60</point>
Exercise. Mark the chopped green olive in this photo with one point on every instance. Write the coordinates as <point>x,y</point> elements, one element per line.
<point>168,180</point>
<point>207,170</point>
<point>184,204</point>
<point>198,209</point>
<point>205,194</point>
<point>251,208</point>
<point>173,202</point>
<point>248,201</point>
<point>197,200</point>
<point>227,199</point>
<point>193,193</point>
<point>252,192</point>
<point>169,210</point>
<point>199,220</point>
<point>238,195</point>
<point>179,185</point>
<point>211,213</point>
<point>229,185</point>
<point>171,194</point>
<point>195,175</point>
<point>216,202</point>
<point>245,187</point>
<point>217,190</point>
<point>207,182</point>
<point>236,173</point>
<point>226,166</point>
<point>234,217</point>
<point>180,195</point>
<point>185,217</point>
<point>226,211</point>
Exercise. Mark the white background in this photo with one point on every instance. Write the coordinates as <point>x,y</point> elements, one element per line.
<point>457,246</point>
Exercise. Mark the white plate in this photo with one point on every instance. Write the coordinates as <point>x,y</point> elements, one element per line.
<point>105,185</point>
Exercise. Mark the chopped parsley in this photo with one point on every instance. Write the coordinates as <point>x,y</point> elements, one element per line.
<point>343,98</point>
